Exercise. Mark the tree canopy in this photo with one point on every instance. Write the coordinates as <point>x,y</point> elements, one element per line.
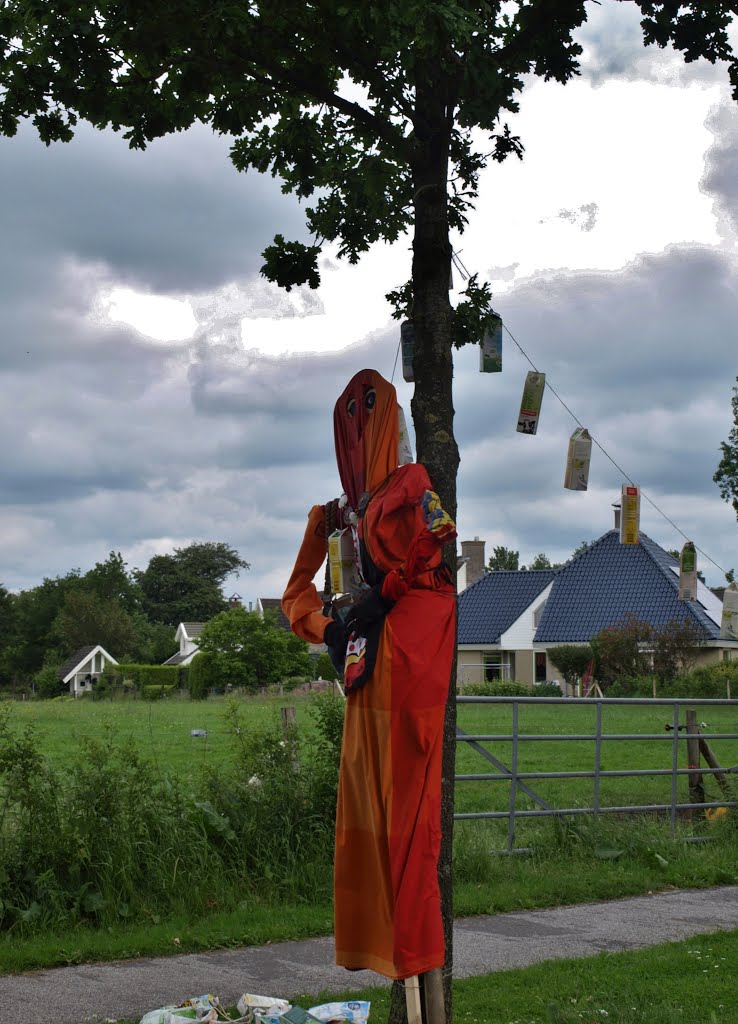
<point>503,558</point>
<point>726,476</point>
<point>132,613</point>
<point>186,585</point>
<point>248,650</point>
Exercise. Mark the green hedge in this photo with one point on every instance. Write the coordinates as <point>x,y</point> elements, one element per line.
<point>146,675</point>
<point>497,688</point>
<point>157,691</point>
<point>708,681</point>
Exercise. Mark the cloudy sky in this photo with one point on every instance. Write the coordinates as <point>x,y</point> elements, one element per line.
<point>156,391</point>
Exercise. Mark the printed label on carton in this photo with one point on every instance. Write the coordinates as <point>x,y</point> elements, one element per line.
<point>630,514</point>
<point>407,342</point>
<point>577,460</point>
<point>490,350</point>
<point>530,406</point>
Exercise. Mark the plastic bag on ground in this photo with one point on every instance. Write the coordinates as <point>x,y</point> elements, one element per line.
<point>270,1008</point>
<point>353,1011</point>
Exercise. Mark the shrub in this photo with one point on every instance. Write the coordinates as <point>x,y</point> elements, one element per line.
<point>202,676</point>
<point>154,691</point>
<point>571,660</point>
<point>497,688</point>
<point>546,690</point>
<point>47,683</point>
<point>324,667</point>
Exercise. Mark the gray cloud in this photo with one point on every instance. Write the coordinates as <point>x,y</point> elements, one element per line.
<point>612,39</point>
<point>175,218</point>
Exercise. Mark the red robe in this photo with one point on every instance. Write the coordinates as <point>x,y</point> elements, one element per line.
<point>387,901</point>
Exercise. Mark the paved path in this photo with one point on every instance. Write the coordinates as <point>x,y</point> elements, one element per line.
<point>94,992</point>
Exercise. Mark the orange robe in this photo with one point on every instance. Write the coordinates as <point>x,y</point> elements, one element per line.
<point>387,901</point>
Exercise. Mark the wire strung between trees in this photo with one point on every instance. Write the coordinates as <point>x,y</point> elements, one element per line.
<point>457,262</point>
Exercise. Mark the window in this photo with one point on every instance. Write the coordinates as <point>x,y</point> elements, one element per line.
<point>540,666</point>
<point>538,613</point>
<point>500,665</point>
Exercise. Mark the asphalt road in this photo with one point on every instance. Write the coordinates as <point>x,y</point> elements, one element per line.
<point>127,989</point>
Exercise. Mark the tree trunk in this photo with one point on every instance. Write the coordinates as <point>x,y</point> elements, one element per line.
<point>433,412</point>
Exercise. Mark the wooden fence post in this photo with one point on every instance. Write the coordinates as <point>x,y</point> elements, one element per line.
<point>696,786</point>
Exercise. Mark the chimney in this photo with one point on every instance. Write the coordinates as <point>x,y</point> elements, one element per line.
<point>473,552</point>
<point>616,508</point>
<point>234,601</point>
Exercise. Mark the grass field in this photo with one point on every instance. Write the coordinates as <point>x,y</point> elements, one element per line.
<point>161,731</point>
<point>573,860</point>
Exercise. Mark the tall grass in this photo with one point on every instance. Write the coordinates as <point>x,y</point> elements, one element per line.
<point>111,837</point>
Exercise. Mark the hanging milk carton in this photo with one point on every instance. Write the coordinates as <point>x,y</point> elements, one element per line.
<point>688,573</point>
<point>630,514</point>
<point>729,620</point>
<point>404,448</point>
<point>342,562</point>
<point>490,350</point>
<point>530,405</point>
<point>407,342</point>
<point>577,460</point>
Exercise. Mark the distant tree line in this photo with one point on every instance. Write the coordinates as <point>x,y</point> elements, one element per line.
<point>133,613</point>
<point>506,558</point>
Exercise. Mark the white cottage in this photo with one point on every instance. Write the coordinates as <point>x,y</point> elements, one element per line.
<point>81,671</point>
<point>186,636</point>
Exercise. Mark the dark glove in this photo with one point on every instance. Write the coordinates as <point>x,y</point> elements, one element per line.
<point>371,607</point>
<point>335,634</point>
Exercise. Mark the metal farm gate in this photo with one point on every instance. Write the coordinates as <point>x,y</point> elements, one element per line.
<point>674,733</point>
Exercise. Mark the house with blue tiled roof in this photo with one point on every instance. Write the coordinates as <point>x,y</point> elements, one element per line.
<point>508,620</point>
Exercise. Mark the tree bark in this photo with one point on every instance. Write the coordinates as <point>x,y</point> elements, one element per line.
<point>433,411</point>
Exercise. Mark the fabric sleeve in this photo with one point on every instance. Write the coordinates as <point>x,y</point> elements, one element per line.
<point>438,528</point>
<point>301,602</point>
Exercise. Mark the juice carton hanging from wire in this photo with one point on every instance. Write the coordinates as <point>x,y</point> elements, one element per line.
<point>490,349</point>
<point>407,343</point>
<point>729,620</point>
<point>578,457</point>
<point>530,404</point>
<point>630,514</point>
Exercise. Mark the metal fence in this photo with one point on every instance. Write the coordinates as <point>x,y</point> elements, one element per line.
<point>519,780</point>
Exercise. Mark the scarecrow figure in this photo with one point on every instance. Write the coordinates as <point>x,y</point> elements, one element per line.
<point>395,643</point>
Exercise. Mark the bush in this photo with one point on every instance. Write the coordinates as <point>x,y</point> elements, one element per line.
<point>546,690</point>
<point>571,660</point>
<point>142,675</point>
<point>157,691</point>
<point>324,667</point>
<point>202,676</point>
<point>48,684</point>
<point>498,688</point>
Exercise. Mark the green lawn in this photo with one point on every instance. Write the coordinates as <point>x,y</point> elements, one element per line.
<point>573,860</point>
<point>161,731</point>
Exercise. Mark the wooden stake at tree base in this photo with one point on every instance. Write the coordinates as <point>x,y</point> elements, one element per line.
<point>412,999</point>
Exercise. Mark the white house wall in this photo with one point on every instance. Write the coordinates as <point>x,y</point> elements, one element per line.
<point>519,636</point>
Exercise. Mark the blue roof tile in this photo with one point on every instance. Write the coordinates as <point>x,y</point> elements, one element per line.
<point>610,580</point>
<point>490,605</point>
